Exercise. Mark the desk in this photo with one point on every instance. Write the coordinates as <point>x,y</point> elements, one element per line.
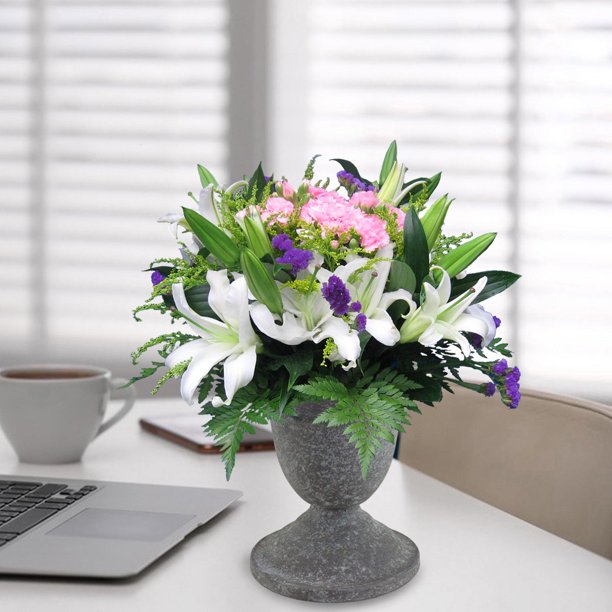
<point>473,556</point>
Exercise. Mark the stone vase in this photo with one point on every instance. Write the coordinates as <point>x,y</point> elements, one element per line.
<point>335,551</point>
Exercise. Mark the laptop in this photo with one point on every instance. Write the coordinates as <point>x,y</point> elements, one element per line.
<point>93,529</point>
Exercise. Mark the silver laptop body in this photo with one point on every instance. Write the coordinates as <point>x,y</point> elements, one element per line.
<point>100,529</point>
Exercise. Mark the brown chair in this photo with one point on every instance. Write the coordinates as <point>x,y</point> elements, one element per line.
<point>549,462</point>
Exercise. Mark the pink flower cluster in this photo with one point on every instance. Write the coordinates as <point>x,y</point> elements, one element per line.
<point>336,215</point>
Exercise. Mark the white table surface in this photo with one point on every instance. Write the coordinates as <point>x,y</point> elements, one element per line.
<point>473,556</point>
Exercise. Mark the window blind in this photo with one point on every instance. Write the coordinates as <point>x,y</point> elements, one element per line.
<point>512,99</point>
<point>105,109</point>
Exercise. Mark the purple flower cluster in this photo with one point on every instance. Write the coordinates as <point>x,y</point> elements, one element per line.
<point>351,183</point>
<point>336,293</point>
<point>157,277</point>
<point>506,379</point>
<point>282,242</point>
<point>489,389</point>
<point>361,322</point>
<point>297,258</point>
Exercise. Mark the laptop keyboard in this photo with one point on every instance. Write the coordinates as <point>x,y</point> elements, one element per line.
<point>24,505</point>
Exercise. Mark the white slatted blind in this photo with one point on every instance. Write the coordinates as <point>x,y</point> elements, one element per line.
<point>513,100</point>
<point>566,193</point>
<point>106,107</point>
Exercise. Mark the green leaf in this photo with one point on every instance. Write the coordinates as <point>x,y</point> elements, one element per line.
<point>323,387</point>
<point>197,298</point>
<point>145,373</point>
<point>433,219</point>
<point>348,166</point>
<point>416,253</point>
<point>213,238</point>
<point>401,276</point>
<point>298,364</point>
<point>206,177</point>
<point>465,254</point>
<point>388,161</point>
<point>256,183</point>
<point>497,281</point>
<point>228,424</point>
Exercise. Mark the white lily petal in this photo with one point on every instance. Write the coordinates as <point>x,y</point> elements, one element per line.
<point>206,204</point>
<point>478,321</point>
<point>186,351</point>
<point>219,284</point>
<point>453,309</point>
<point>238,371</point>
<point>431,303</point>
<point>200,366</point>
<point>170,218</point>
<point>430,336</point>
<point>450,332</point>
<point>393,296</point>
<point>444,288</point>
<point>479,312</point>
<point>381,327</point>
<point>289,332</point>
<point>204,326</point>
<point>346,339</point>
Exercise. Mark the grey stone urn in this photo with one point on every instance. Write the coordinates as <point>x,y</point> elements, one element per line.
<point>335,551</point>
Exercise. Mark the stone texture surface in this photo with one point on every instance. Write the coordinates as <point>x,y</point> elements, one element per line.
<point>335,551</point>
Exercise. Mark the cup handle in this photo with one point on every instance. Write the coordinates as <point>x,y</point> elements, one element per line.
<point>119,390</point>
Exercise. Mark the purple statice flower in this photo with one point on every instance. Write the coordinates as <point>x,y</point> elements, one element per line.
<point>497,321</point>
<point>361,322</point>
<point>506,379</point>
<point>352,183</point>
<point>157,277</point>
<point>513,387</point>
<point>500,367</point>
<point>489,389</point>
<point>282,242</point>
<point>336,293</point>
<point>356,306</point>
<point>298,258</point>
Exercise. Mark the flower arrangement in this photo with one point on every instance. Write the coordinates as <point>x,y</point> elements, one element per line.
<point>350,293</point>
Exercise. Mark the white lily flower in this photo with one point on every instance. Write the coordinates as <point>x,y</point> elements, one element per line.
<point>437,318</point>
<point>231,340</point>
<point>476,310</point>
<point>208,203</point>
<point>308,317</point>
<point>367,287</point>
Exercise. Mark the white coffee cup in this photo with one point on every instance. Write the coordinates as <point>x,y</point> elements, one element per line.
<point>50,413</point>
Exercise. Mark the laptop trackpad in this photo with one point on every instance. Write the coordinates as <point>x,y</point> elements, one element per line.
<point>121,525</point>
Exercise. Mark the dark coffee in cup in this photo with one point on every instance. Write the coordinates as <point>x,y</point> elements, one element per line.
<point>50,374</point>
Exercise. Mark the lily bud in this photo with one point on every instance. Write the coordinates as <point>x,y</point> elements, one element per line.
<point>213,238</point>
<point>260,281</point>
<point>255,231</point>
<point>393,184</point>
<point>433,219</point>
<point>460,258</point>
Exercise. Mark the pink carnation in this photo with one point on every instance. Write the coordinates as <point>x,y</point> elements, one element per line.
<point>315,192</point>
<point>277,210</point>
<point>331,212</point>
<point>373,232</point>
<point>364,199</point>
<point>400,214</point>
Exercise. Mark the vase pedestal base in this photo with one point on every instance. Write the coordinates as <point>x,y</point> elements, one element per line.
<point>334,556</point>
